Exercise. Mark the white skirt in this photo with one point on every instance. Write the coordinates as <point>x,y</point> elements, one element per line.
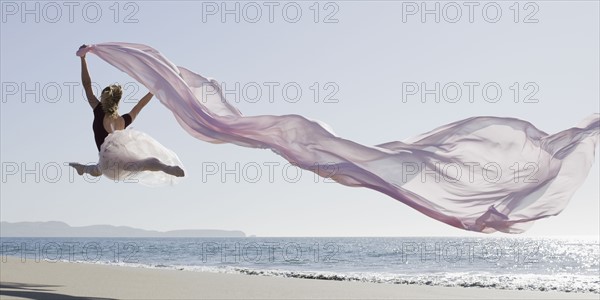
<point>123,154</point>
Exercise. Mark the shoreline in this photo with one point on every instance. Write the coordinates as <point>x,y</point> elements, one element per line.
<point>68,280</point>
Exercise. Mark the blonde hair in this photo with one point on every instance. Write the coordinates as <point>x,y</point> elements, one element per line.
<point>111,95</point>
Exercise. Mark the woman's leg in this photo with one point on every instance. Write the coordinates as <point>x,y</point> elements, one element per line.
<point>153,164</point>
<point>93,170</point>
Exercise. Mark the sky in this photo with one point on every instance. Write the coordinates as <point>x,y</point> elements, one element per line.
<point>344,63</point>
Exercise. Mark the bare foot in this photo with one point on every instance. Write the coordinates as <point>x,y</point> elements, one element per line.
<point>79,167</point>
<point>175,171</point>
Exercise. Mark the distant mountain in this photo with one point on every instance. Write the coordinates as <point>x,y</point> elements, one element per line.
<point>60,229</point>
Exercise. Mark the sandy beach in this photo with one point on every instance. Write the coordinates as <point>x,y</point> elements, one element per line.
<point>62,280</point>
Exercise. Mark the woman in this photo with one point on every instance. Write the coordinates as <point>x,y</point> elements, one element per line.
<point>124,154</point>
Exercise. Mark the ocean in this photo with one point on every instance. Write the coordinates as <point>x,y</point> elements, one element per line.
<point>537,264</point>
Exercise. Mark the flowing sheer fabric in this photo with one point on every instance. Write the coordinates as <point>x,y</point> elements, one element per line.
<point>482,174</point>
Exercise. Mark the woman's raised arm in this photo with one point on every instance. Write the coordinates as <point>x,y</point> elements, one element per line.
<point>87,82</point>
<point>138,107</point>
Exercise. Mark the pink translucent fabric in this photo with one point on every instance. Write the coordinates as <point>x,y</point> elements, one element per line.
<point>482,174</point>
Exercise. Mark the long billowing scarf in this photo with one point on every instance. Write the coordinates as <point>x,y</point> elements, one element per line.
<point>482,174</point>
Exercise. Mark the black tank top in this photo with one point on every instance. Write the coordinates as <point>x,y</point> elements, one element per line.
<point>98,125</point>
